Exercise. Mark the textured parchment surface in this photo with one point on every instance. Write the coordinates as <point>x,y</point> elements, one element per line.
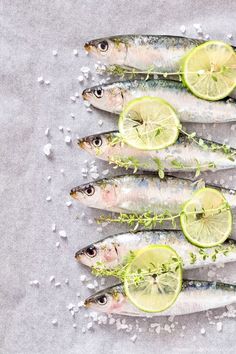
<point>30,30</point>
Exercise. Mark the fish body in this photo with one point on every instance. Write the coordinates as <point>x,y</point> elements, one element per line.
<point>141,193</point>
<point>141,52</point>
<point>113,251</point>
<point>196,296</point>
<point>113,98</point>
<point>184,155</point>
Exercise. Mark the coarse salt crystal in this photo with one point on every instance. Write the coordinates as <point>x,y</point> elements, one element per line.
<point>57,244</point>
<point>35,282</point>
<point>80,304</point>
<point>83,277</point>
<point>229,35</point>
<point>89,325</point>
<point>40,80</point>
<point>60,128</point>
<point>90,286</point>
<point>100,122</point>
<point>52,278</point>
<point>48,199</point>
<point>62,171</point>
<point>47,82</point>
<point>62,234</point>
<point>49,178</point>
<point>68,139</point>
<point>53,227</point>
<point>68,204</point>
<point>133,338</point>
<point>47,149</point>
<point>182,29</point>
<point>46,131</point>
<point>74,325</point>
<point>203,331</point>
<point>80,78</point>
<point>57,285</point>
<point>66,281</point>
<point>54,53</point>
<point>83,330</point>
<point>75,52</point>
<point>70,306</point>
<point>85,69</point>
<point>54,322</point>
<point>219,326</point>
<point>73,99</point>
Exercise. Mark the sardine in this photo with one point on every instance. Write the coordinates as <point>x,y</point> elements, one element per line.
<point>141,193</point>
<point>184,155</point>
<point>141,52</point>
<point>196,296</point>
<point>113,251</point>
<point>113,97</point>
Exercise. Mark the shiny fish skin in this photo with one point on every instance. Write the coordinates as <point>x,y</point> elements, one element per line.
<point>186,152</point>
<point>113,250</point>
<point>141,193</point>
<point>196,296</point>
<point>113,97</point>
<point>143,51</point>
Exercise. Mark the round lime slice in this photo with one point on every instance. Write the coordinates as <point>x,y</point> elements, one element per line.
<point>206,219</point>
<point>209,70</point>
<point>149,123</point>
<point>153,279</point>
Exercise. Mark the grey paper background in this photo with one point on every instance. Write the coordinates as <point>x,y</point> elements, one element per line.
<point>30,30</point>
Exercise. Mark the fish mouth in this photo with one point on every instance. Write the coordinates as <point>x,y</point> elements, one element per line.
<point>79,254</point>
<point>87,46</point>
<point>74,192</point>
<point>84,143</point>
<point>86,93</point>
<point>88,302</point>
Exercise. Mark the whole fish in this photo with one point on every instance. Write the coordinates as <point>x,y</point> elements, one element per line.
<point>196,296</point>
<point>141,193</point>
<point>141,52</point>
<point>184,155</point>
<point>113,251</point>
<point>113,97</point>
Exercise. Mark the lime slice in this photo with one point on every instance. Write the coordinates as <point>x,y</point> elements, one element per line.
<point>149,123</point>
<point>206,219</point>
<point>153,279</point>
<point>209,70</point>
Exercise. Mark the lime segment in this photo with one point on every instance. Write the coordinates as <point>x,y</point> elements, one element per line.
<point>209,70</point>
<point>153,279</point>
<point>206,219</point>
<point>149,123</point>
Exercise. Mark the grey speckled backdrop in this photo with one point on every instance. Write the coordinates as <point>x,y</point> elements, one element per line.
<point>30,30</point>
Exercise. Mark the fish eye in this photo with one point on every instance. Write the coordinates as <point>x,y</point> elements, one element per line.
<point>97,141</point>
<point>98,92</point>
<point>91,251</point>
<point>103,46</point>
<point>89,190</point>
<point>102,300</point>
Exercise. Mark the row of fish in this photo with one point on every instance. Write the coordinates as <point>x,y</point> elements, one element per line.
<point>141,193</point>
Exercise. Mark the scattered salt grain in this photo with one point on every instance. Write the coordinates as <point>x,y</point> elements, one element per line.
<point>219,326</point>
<point>70,307</point>
<point>74,325</point>
<point>62,171</point>
<point>47,82</point>
<point>57,244</point>
<point>112,321</point>
<point>68,139</point>
<point>80,304</point>
<point>89,110</point>
<point>83,330</point>
<point>66,281</point>
<point>46,131</point>
<point>207,37</point>
<point>73,99</point>
<point>80,78</point>
<point>49,178</point>
<point>94,175</point>
<point>83,278</point>
<point>40,80</point>
<point>75,52</point>
<point>54,322</point>
<point>182,29</point>
<point>48,199</point>
<point>89,325</point>
<point>35,283</point>
<point>99,229</point>
<point>60,128</point>
<point>72,115</point>
<point>229,36</point>
<point>57,285</point>
<point>53,227</point>
<point>90,221</point>
<point>90,286</point>
<point>203,331</point>
<point>85,69</point>
<point>52,278</point>
<point>47,149</point>
<point>68,204</point>
<point>68,129</point>
<point>133,338</point>
<point>78,294</point>
<point>100,122</point>
<point>62,234</point>
<point>54,53</point>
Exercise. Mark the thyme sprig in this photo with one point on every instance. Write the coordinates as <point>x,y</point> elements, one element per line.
<point>150,220</point>
<point>139,276</point>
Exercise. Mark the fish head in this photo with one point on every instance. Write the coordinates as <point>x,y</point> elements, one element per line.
<point>107,97</point>
<point>105,252</point>
<point>99,194</point>
<point>109,300</point>
<point>97,145</point>
<point>112,50</point>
